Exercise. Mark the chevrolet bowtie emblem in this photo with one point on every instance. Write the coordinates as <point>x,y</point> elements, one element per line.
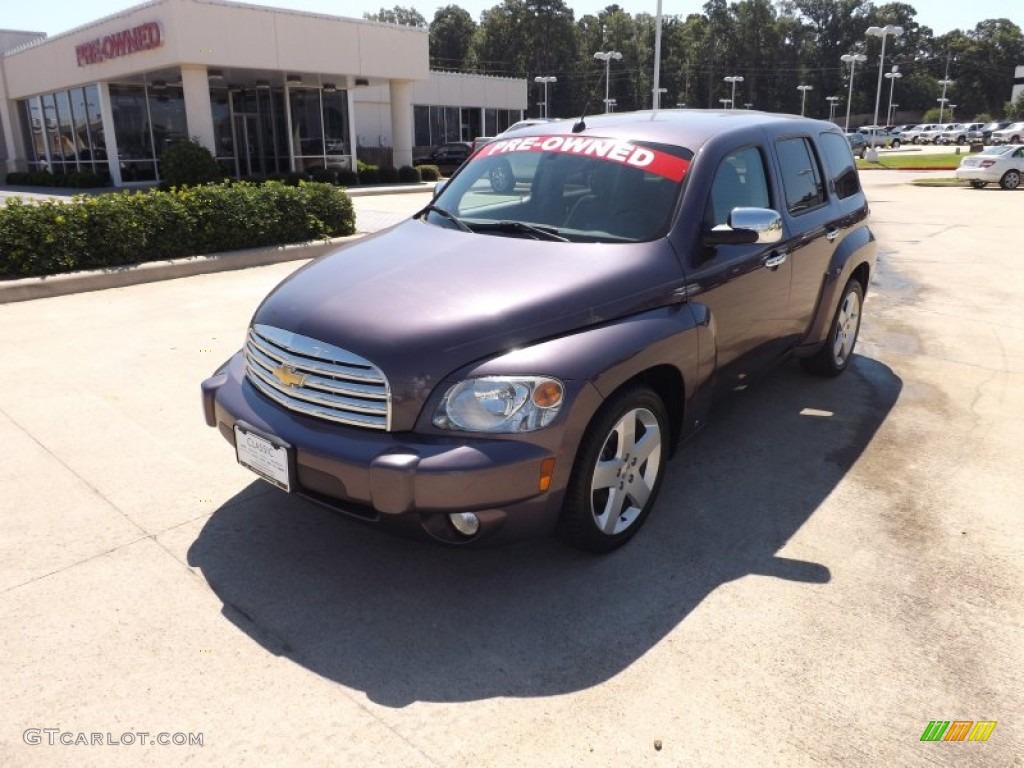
<point>288,376</point>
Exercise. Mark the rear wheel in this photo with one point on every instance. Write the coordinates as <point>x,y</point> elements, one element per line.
<point>895,143</point>
<point>978,184</point>
<point>618,472</point>
<point>502,179</point>
<point>1010,180</point>
<point>833,358</point>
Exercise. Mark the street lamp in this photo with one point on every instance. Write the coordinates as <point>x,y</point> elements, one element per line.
<point>892,77</point>
<point>546,79</point>
<point>726,102</point>
<point>609,105</point>
<point>943,101</point>
<point>606,57</point>
<point>657,97</point>
<point>733,79</point>
<point>803,96</point>
<point>851,59</point>
<point>882,32</point>
<point>831,106</point>
<point>749,104</point>
<point>892,114</point>
<point>951,108</point>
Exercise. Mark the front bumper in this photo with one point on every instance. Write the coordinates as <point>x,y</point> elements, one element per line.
<point>406,481</point>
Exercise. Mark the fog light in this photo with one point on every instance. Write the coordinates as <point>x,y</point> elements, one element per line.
<point>465,523</point>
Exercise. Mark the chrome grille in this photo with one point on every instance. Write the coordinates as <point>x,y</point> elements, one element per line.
<point>317,379</point>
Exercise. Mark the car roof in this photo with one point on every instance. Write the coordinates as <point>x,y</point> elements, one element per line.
<point>690,128</point>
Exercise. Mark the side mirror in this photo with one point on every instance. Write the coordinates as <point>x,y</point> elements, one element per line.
<point>746,226</point>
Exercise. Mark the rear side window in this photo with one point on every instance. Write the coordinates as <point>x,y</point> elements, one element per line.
<point>801,176</point>
<point>840,164</point>
<point>740,182</point>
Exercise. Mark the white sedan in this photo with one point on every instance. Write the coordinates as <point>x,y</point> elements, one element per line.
<point>999,165</point>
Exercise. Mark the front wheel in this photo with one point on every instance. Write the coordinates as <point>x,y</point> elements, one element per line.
<point>1010,180</point>
<point>895,143</point>
<point>618,472</point>
<point>833,358</point>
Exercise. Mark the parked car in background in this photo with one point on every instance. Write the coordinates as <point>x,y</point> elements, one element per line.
<point>931,135</point>
<point>1002,165</point>
<point>913,135</point>
<point>447,156</point>
<point>858,143</point>
<point>1011,134</point>
<point>958,133</point>
<point>876,136</point>
<point>983,135</point>
<point>502,366</point>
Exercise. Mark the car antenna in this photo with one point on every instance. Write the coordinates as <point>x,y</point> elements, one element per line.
<point>581,125</point>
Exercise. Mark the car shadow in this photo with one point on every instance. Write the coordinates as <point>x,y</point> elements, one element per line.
<point>409,621</point>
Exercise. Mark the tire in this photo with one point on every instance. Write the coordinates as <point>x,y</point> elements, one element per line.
<point>960,140</point>
<point>978,183</point>
<point>616,477</point>
<point>502,179</point>
<point>1010,180</point>
<point>834,357</point>
<point>895,143</point>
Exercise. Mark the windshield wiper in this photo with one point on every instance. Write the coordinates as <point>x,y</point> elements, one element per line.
<point>446,214</point>
<point>541,233</point>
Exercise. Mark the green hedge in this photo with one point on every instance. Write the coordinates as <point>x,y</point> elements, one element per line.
<point>130,227</point>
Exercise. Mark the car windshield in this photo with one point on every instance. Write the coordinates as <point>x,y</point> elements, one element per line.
<point>572,188</point>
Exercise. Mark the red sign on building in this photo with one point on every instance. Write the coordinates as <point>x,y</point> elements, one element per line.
<point>144,37</point>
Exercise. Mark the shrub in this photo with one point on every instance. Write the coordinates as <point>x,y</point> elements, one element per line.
<point>188,163</point>
<point>389,175</point>
<point>324,176</point>
<point>347,178</point>
<point>429,172</point>
<point>369,174</point>
<point>130,227</point>
<point>409,175</point>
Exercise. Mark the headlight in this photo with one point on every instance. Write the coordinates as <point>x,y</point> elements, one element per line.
<point>500,404</point>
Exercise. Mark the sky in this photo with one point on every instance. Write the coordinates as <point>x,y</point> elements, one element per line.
<point>55,16</point>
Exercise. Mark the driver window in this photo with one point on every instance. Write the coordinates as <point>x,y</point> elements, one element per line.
<point>740,182</point>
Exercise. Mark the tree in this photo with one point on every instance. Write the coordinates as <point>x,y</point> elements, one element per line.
<point>408,17</point>
<point>451,35</point>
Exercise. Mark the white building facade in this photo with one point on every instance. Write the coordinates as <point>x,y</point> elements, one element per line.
<point>267,90</point>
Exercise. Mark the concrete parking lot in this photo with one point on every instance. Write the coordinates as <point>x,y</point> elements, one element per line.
<point>831,565</point>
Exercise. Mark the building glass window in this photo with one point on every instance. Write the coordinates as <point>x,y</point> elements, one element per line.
<point>80,129</point>
<point>131,127</point>
<point>307,129</point>
<point>220,106</point>
<point>167,117</point>
<point>97,139</point>
<point>421,126</point>
<point>66,137</point>
<point>32,131</point>
<point>336,139</point>
<point>51,131</point>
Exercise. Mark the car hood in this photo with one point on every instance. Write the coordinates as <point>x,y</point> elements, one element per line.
<point>421,301</point>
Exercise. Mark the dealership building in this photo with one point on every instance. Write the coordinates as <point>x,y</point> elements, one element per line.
<point>267,90</point>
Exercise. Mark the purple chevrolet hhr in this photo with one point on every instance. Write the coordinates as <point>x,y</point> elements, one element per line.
<point>523,355</point>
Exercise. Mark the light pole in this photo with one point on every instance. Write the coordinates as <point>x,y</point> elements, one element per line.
<point>803,96</point>
<point>733,79</point>
<point>546,79</point>
<point>951,108</point>
<point>882,32</point>
<point>892,77</point>
<point>831,106</point>
<point>943,101</point>
<point>851,59</point>
<point>657,97</point>
<point>726,101</point>
<point>606,57</point>
<point>609,105</point>
<point>892,114</point>
<point>749,104</point>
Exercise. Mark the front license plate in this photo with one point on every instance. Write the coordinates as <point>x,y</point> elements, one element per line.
<point>268,458</point>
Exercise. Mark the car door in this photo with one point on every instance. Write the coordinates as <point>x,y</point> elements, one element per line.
<point>816,224</point>
<point>744,287</point>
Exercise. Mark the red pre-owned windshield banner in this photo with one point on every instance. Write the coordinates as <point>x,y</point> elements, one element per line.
<point>615,150</point>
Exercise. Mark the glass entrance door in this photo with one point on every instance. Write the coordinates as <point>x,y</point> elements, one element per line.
<point>248,145</point>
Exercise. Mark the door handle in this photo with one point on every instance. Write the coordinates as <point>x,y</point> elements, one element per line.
<point>832,234</point>
<point>775,260</point>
